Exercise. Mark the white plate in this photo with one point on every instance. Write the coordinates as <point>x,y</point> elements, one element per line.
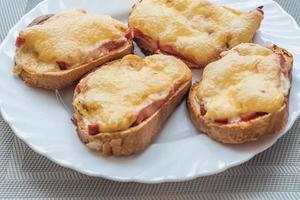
<point>179,153</point>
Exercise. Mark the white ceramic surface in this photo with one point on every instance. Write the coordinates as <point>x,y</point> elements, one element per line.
<point>42,118</point>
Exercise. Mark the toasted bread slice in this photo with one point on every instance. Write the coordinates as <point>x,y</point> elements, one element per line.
<point>37,69</point>
<point>121,107</point>
<point>247,127</point>
<point>196,31</point>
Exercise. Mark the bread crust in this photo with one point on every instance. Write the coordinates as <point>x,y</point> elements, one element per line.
<point>62,79</point>
<point>136,138</point>
<point>240,132</point>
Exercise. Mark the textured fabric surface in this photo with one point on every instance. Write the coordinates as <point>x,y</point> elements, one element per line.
<point>273,174</point>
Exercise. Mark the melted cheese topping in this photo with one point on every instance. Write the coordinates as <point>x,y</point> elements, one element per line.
<point>196,28</point>
<point>117,92</point>
<point>247,79</point>
<point>69,36</point>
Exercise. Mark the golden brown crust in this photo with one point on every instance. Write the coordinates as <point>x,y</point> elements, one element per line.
<point>137,138</point>
<point>62,79</point>
<point>287,55</point>
<point>242,131</point>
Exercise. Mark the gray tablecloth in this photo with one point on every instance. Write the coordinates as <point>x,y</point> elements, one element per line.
<point>273,174</point>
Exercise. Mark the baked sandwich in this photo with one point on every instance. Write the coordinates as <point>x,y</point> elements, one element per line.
<point>56,50</point>
<point>120,107</point>
<point>244,95</point>
<point>195,31</point>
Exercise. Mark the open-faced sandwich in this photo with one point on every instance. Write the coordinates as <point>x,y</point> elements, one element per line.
<point>244,95</point>
<point>194,30</point>
<point>55,50</point>
<point>120,107</point>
